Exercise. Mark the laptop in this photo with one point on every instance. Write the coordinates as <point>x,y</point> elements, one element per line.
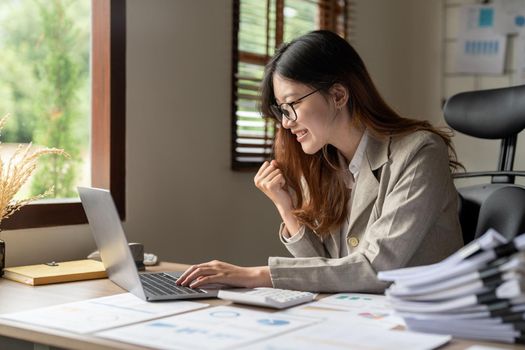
<point>116,256</point>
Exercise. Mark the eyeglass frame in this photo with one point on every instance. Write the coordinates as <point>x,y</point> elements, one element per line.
<point>277,111</point>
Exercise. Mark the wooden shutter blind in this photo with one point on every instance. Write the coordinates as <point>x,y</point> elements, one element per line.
<point>259,27</point>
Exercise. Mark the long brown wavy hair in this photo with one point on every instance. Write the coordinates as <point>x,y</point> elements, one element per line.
<point>320,59</point>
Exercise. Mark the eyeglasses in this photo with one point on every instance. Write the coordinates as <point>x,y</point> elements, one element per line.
<point>287,110</point>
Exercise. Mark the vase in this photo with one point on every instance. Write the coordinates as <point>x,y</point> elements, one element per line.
<point>2,257</point>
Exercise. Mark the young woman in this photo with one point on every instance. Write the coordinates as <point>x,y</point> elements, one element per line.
<point>359,188</point>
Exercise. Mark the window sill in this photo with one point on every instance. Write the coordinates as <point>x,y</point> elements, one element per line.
<point>45,214</point>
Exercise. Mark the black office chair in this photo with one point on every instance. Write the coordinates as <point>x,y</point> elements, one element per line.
<point>487,114</point>
<point>504,211</point>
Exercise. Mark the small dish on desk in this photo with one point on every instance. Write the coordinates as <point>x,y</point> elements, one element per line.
<point>150,259</point>
<point>268,297</point>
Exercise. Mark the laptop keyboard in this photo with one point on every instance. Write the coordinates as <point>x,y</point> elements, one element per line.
<point>164,284</point>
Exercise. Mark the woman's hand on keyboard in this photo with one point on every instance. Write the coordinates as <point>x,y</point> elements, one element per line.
<point>220,272</point>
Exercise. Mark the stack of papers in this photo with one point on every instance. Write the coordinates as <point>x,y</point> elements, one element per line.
<point>477,293</point>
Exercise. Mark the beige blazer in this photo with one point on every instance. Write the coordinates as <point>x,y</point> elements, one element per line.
<point>403,212</point>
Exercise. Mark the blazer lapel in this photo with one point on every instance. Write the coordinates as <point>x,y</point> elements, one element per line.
<point>367,186</point>
<point>331,245</point>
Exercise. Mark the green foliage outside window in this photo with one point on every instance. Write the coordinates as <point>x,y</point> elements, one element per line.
<point>45,84</point>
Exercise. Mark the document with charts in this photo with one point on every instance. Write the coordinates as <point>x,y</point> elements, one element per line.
<point>221,327</point>
<point>480,50</point>
<point>101,313</point>
<point>335,335</point>
<point>366,309</point>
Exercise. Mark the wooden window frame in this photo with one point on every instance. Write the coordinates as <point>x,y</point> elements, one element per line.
<point>328,16</point>
<point>108,122</point>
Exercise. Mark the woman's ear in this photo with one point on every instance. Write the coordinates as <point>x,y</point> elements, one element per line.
<point>340,95</point>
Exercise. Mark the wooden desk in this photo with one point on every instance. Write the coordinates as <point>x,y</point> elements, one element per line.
<point>19,297</point>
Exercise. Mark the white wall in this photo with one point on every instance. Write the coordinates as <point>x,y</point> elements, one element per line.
<point>399,43</point>
<point>183,201</point>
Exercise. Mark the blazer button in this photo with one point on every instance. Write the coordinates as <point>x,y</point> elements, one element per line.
<point>353,241</point>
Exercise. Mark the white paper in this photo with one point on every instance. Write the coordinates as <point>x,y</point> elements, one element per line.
<point>101,313</point>
<point>358,301</point>
<point>370,308</point>
<point>222,327</point>
<point>487,241</point>
<point>519,59</point>
<point>364,309</point>
<point>438,273</point>
<point>476,19</point>
<point>479,347</point>
<point>467,329</point>
<point>480,49</point>
<point>481,54</point>
<point>333,335</point>
<point>509,16</point>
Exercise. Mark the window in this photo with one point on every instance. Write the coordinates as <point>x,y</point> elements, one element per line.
<point>259,27</point>
<point>107,138</point>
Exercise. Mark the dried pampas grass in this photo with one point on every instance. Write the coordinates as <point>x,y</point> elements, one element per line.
<point>15,171</point>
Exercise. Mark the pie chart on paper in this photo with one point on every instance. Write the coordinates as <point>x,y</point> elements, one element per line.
<point>273,322</point>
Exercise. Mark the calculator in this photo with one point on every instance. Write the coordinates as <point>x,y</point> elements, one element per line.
<point>268,297</point>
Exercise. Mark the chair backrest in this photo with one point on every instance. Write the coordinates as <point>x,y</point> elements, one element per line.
<point>504,211</point>
<point>487,114</point>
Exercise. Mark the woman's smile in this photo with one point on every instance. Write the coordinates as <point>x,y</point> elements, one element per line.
<point>300,134</point>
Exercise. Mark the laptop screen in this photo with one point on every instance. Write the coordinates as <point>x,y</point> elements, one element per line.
<point>110,239</point>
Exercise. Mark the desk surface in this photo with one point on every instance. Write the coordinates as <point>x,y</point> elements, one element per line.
<point>19,297</point>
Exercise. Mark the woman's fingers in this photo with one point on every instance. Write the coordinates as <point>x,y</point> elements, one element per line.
<point>278,180</point>
<point>266,169</point>
<point>195,271</point>
<point>214,272</point>
<point>263,167</point>
<point>271,181</point>
<point>272,175</point>
<point>274,181</point>
<point>220,273</point>
<point>204,280</point>
<point>268,176</point>
<point>200,270</point>
<point>185,274</point>
<point>264,174</point>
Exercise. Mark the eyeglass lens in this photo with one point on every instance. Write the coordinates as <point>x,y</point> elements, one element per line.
<point>284,110</point>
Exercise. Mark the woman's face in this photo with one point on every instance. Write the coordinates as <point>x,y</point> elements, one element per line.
<point>315,114</point>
